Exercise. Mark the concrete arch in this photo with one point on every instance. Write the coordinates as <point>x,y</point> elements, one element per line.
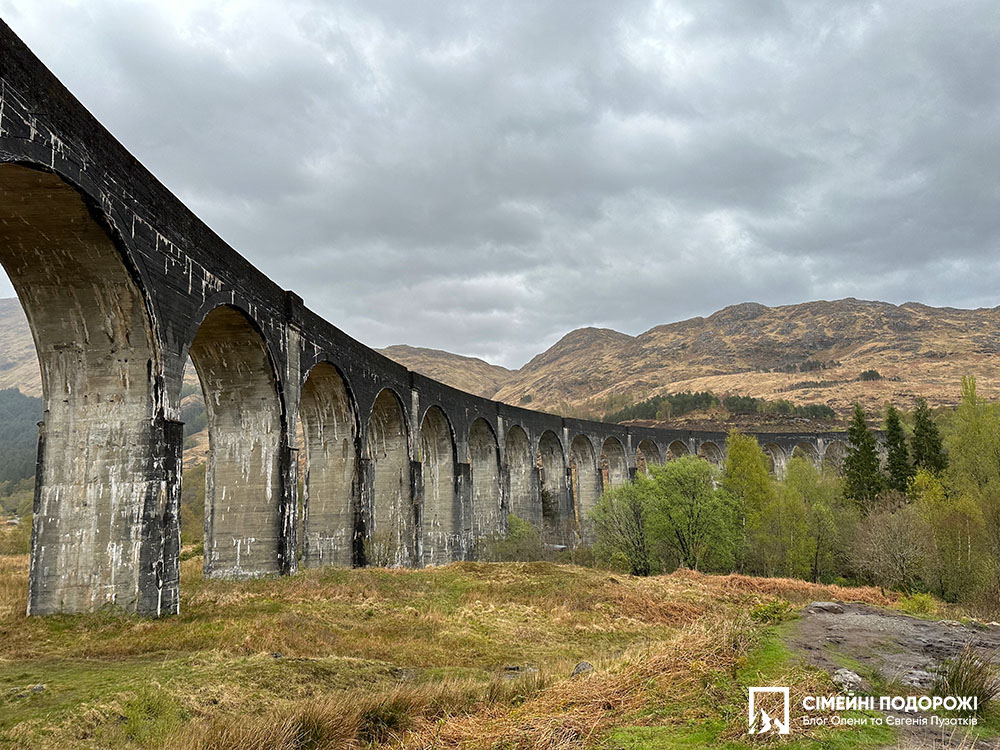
<point>646,454</point>
<point>330,484</point>
<point>440,519</point>
<point>833,456</point>
<point>389,540</point>
<point>487,513</point>
<point>676,449</point>
<point>614,464</point>
<point>244,513</point>
<point>585,478</point>
<point>807,450</point>
<point>94,337</point>
<point>554,500</point>
<point>522,476</point>
<point>711,452</point>
<point>776,459</point>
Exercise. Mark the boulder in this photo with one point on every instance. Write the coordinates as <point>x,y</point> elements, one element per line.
<point>582,668</point>
<point>830,608</point>
<point>848,681</point>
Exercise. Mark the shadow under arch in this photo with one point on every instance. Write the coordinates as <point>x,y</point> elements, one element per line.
<point>440,515</point>
<point>330,508</point>
<point>646,454</point>
<point>487,512</point>
<point>585,480</point>
<point>522,476</point>
<point>614,464</point>
<point>390,538</point>
<point>247,518</point>
<point>557,512</point>
<point>105,528</point>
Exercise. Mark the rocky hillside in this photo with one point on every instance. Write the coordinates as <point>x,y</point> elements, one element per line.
<point>18,366</point>
<point>466,373</point>
<point>808,353</point>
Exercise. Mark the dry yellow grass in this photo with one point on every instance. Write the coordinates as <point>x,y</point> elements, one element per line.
<point>385,658</point>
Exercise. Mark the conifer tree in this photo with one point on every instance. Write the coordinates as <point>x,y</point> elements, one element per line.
<point>863,480</point>
<point>898,463</point>
<point>928,448</point>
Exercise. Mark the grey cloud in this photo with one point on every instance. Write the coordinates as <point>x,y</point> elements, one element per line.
<point>485,177</point>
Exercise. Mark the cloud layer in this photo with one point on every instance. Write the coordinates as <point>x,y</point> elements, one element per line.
<point>485,177</point>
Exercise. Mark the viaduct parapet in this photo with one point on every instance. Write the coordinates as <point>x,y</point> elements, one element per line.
<point>121,284</point>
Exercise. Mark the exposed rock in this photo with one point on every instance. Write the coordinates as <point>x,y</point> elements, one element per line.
<point>918,678</point>
<point>513,671</point>
<point>582,668</point>
<point>831,608</point>
<point>848,681</point>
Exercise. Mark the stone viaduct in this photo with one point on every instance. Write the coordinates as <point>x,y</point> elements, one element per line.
<point>121,284</point>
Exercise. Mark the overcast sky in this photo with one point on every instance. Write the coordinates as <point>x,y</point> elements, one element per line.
<point>485,177</point>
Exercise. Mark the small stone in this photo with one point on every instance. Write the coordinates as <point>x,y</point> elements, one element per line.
<point>582,668</point>
<point>848,681</point>
<point>918,678</point>
<point>831,608</point>
<point>277,655</point>
<point>38,688</point>
<point>951,623</point>
<point>513,671</point>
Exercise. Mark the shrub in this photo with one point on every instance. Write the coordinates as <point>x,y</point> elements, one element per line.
<point>870,375</point>
<point>971,675</point>
<point>919,604</point>
<point>521,543</point>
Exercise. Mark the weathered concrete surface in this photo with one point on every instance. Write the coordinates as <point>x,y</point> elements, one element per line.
<point>120,283</point>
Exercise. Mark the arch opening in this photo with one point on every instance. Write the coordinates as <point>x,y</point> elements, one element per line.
<point>488,514</point>
<point>440,519</point>
<point>711,452</point>
<point>833,457</point>
<point>614,464</point>
<point>522,477</point>
<point>554,500</point>
<point>330,468</point>
<point>807,451</point>
<point>776,459</point>
<point>676,449</point>
<point>103,531</point>
<point>390,539</point>
<point>244,513</point>
<point>646,454</point>
<point>585,480</point>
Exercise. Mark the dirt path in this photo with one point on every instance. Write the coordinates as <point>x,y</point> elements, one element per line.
<point>892,648</point>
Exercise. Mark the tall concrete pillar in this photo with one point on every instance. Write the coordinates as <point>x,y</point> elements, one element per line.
<point>106,532</point>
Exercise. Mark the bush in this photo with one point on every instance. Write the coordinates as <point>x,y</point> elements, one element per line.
<point>521,543</point>
<point>919,604</point>
<point>870,375</point>
<point>971,675</point>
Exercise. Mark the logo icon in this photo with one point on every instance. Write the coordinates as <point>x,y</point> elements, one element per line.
<point>766,709</point>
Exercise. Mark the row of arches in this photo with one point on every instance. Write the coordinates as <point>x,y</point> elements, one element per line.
<point>375,489</point>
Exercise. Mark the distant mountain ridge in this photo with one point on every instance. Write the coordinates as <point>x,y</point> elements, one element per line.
<point>811,352</point>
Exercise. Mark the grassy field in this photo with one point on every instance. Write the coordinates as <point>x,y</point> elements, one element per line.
<point>467,655</point>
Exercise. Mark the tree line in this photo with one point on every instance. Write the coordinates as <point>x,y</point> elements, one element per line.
<point>919,514</point>
<point>672,405</point>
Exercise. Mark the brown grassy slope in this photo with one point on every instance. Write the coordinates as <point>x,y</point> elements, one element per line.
<point>921,350</point>
<point>18,366</point>
<point>465,373</point>
<point>251,663</point>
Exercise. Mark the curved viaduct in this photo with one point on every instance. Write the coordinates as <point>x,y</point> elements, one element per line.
<point>121,284</point>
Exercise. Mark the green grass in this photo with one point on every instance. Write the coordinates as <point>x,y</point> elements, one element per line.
<point>770,663</point>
